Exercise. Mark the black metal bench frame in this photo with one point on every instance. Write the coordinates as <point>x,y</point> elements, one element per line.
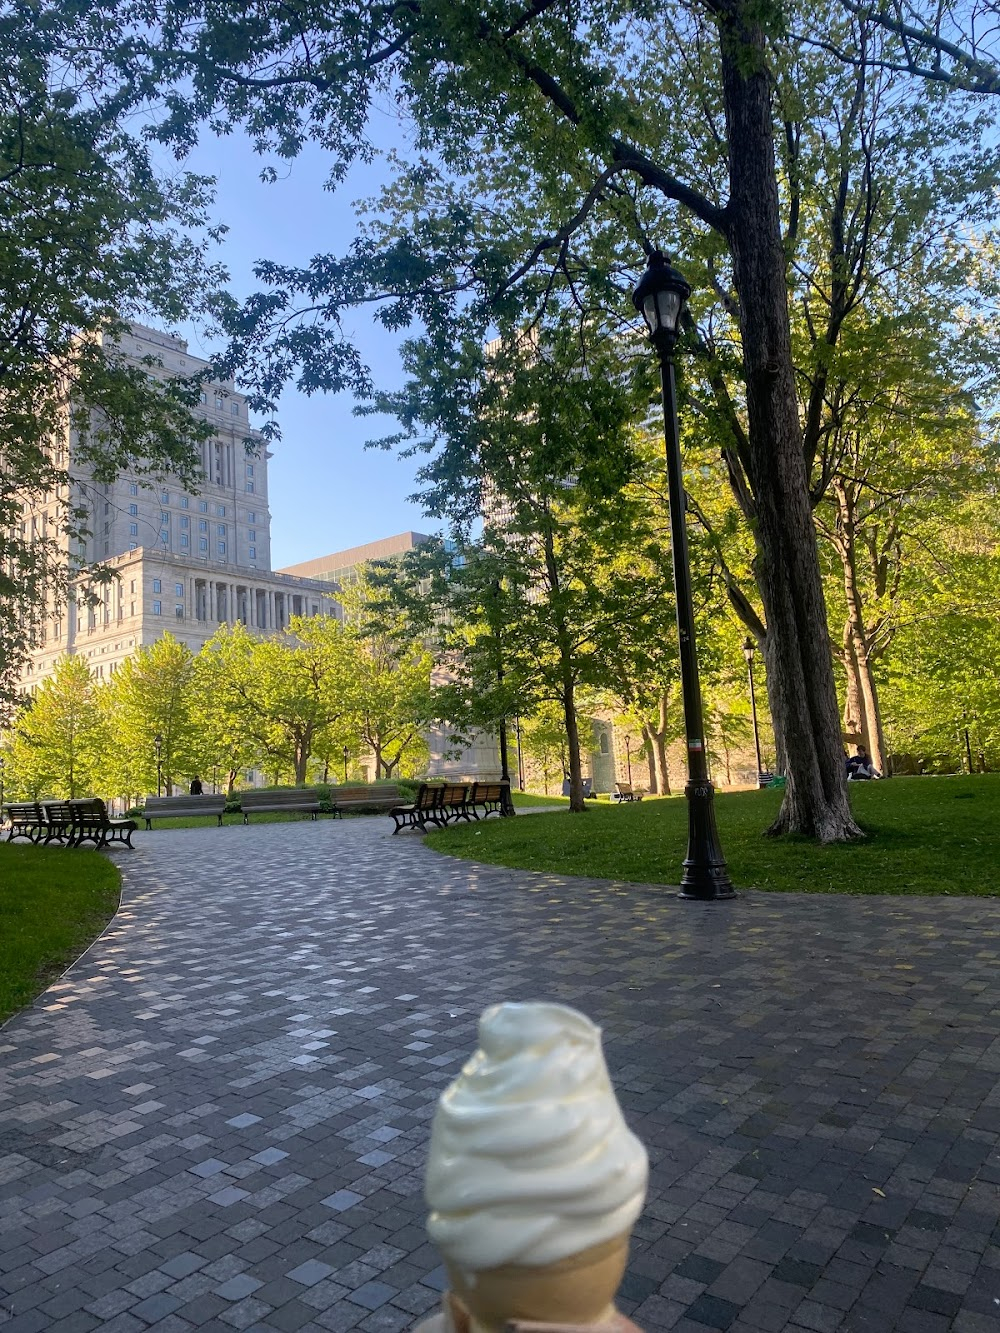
<point>91,823</point>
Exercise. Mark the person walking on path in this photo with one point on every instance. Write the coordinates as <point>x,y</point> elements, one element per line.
<point>196,787</point>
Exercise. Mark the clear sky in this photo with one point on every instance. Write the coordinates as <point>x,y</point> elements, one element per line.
<point>327,492</point>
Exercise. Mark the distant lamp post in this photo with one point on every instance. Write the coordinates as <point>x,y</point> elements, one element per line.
<point>748,652</point>
<point>158,747</point>
<point>628,758</point>
<point>520,756</point>
<point>3,765</point>
<point>660,298</point>
<point>215,779</point>
<point>347,754</point>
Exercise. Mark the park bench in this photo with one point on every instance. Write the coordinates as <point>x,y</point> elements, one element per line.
<point>424,809</point>
<point>58,822</point>
<point>624,791</point>
<point>303,800</point>
<point>91,823</point>
<point>454,802</point>
<point>183,807</point>
<point>491,798</point>
<point>27,820</point>
<point>360,798</point>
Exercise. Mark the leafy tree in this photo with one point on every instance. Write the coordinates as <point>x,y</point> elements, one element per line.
<point>57,739</point>
<point>291,695</point>
<point>150,695</point>
<point>89,237</point>
<point>393,683</point>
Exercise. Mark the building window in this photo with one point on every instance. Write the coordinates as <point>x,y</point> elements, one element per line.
<point>184,539</point>
<point>179,612</point>
<point>221,511</point>
<point>252,536</point>
<point>132,609</point>
<point>156,609</point>
<point>202,543</point>
<point>185,521</point>
<point>235,409</point>
<point>222,529</point>
<point>251,518</point>
<point>133,488</point>
<point>164,497</point>
<point>178,589</point>
<point>156,585</point>
<point>202,525</point>
<point>164,516</point>
<point>249,488</point>
<point>218,403</point>
<point>203,506</point>
<point>253,553</point>
<point>164,536</point>
<point>132,586</point>
<point>203,398</point>
<point>133,529</point>
<point>185,502</point>
<point>131,546</point>
<point>222,548</point>
<point>249,469</point>
<point>133,510</point>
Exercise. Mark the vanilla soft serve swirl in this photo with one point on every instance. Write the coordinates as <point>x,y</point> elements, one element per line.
<point>530,1158</point>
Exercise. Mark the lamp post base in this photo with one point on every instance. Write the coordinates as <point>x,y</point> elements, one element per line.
<point>705,877</point>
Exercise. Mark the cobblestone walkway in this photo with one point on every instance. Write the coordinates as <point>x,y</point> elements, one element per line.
<point>218,1118</point>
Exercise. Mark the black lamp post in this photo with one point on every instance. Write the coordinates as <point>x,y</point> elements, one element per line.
<point>628,759</point>
<point>748,652</point>
<point>2,766</point>
<point>520,756</point>
<point>346,754</point>
<point>660,298</point>
<point>158,747</point>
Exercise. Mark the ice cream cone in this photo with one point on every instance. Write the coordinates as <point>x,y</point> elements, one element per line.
<point>579,1289</point>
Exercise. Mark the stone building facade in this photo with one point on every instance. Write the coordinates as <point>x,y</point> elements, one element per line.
<point>181,561</point>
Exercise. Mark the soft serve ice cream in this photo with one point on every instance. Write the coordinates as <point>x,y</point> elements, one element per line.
<point>530,1158</point>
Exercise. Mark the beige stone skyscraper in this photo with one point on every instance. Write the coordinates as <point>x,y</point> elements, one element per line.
<point>182,561</point>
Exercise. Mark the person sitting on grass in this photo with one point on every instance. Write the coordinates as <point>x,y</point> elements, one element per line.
<point>860,767</point>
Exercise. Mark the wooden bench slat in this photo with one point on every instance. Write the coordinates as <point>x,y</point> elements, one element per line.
<point>184,806</point>
<point>303,800</point>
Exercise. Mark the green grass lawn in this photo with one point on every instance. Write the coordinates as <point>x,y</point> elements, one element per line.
<point>53,902</point>
<point>925,835</point>
<point>525,799</point>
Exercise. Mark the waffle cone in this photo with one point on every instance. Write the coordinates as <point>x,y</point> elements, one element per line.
<point>579,1289</point>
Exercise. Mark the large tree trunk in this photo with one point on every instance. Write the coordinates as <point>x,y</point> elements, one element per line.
<point>800,667</point>
<point>862,693</point>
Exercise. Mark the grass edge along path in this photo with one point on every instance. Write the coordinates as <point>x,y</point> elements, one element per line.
<point>925,835</point>
<point>54,902</point>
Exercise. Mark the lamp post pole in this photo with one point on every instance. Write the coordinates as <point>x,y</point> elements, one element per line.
<point>628,759</point>
<point>158,747</point>
<point>520,756</point>
<point>3,765</point>
<point>346,754</point>
<point>968,746</point>
<point>660,298</point>
<point>748,651</point>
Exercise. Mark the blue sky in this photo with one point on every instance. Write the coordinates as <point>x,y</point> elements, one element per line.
<point>327,492</point>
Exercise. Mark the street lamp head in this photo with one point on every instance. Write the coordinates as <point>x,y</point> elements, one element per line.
<point>749,648</point>
<point>660,298</point>
<point>158,740</point>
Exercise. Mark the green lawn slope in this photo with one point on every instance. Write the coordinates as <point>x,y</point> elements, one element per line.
<point>925,835</point>
<point>54,902</point>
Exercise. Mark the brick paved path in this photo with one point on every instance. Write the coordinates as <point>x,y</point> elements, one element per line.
<point>218,1119</point>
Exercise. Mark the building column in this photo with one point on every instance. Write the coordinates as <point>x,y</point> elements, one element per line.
<point>270,609</point>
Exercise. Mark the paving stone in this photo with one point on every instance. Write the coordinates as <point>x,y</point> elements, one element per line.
<point>248,1060</point>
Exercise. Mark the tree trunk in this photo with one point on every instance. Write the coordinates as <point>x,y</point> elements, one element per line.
<point>854,719</point>
<point>576,801</point>
<point>800,669</point>
<point>301,762</point>
<point>656,740</point>
<point>651,765</point>
<point>861,681</point>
